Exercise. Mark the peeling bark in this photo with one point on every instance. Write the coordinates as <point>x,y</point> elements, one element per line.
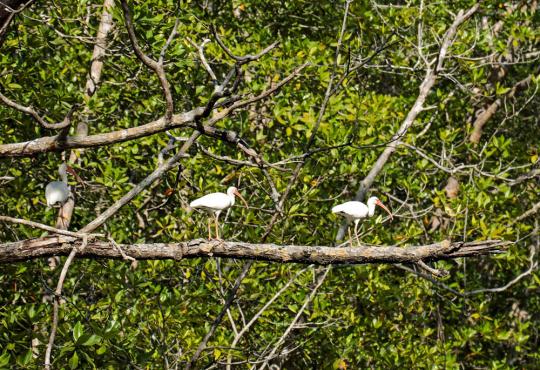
<point>319,255</point>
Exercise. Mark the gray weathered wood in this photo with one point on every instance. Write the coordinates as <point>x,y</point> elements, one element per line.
<point>320,255</point>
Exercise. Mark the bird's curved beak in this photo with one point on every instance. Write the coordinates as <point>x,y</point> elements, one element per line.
<point>379,203</point>
<point>237,193</point>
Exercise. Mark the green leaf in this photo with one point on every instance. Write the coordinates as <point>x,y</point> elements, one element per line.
<point>25,360</point>
<point>101,350</point>
<point>77,331</point>
<point>89,340</point>
<point>4,360</point>
<point>74,361</point>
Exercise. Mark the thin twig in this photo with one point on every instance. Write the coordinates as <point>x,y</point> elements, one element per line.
<point>202,57</point>
<point>37,225</point>
<point>56,298</point>
<point>320,280</point>
<point>217,320</point>
<point>258,314</point>
<point>156,66</point>
<point>32,112</point>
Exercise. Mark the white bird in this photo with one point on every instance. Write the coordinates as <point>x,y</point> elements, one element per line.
<point>57,192</point>
<point>215,203</point>
<point>355,211</point>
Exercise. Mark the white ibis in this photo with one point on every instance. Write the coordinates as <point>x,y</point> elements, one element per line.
<point>57,192</point>
<point>355,211</point>
<point>215,203</point>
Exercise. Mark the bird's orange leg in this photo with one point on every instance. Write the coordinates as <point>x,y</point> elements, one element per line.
<point>208,224</point>
<point>356,231</point>
<point>217,228</point>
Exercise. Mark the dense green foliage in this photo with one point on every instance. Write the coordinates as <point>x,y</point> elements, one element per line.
<point>155,314</point>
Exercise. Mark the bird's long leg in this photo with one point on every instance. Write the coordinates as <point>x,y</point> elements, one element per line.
<point>208,224</point>
<point>217,228</point>
<point>356,231</point>
<point>350,236</point>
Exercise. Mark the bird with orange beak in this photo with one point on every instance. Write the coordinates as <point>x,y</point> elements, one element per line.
<point>355,211</point>
<point>215,203</point>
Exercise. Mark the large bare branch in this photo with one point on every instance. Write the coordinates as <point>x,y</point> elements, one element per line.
<point>320,255</point>
<point>57,143</point>
<point>417,108</point>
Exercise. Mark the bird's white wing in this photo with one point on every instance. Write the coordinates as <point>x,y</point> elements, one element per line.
<point>214,201</point>
<point>56,192</point>
<point>352,209</point>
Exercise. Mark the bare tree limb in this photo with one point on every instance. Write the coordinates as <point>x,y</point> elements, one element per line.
<point>204,62</point>
<point>255,317</point>
<point>245,58</point>
<point>529,212</point>
<point>32,112</point>
<point>309,298</point>
<point>219,317</point>
<point>55,143</point>
<point>319,255</point>
<point>66,210</point>
<point>8,10</point>
<point>157,67</point>
<point>51,229</point>
<point>531,175</point>
<point>487,114</point>
<point>56,300</point>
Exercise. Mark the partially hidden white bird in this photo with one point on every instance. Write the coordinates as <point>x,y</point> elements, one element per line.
<point>57,192</point>
<point>355,211</point>
<point>215,203</point>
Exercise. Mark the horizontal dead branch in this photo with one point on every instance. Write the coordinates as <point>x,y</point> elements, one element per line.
<point>320,255</point>
<point>58,143</point>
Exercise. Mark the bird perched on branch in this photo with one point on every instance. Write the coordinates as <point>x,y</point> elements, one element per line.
<point>355,211</point>
<point>215,203</point>
<point>58,192</point>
